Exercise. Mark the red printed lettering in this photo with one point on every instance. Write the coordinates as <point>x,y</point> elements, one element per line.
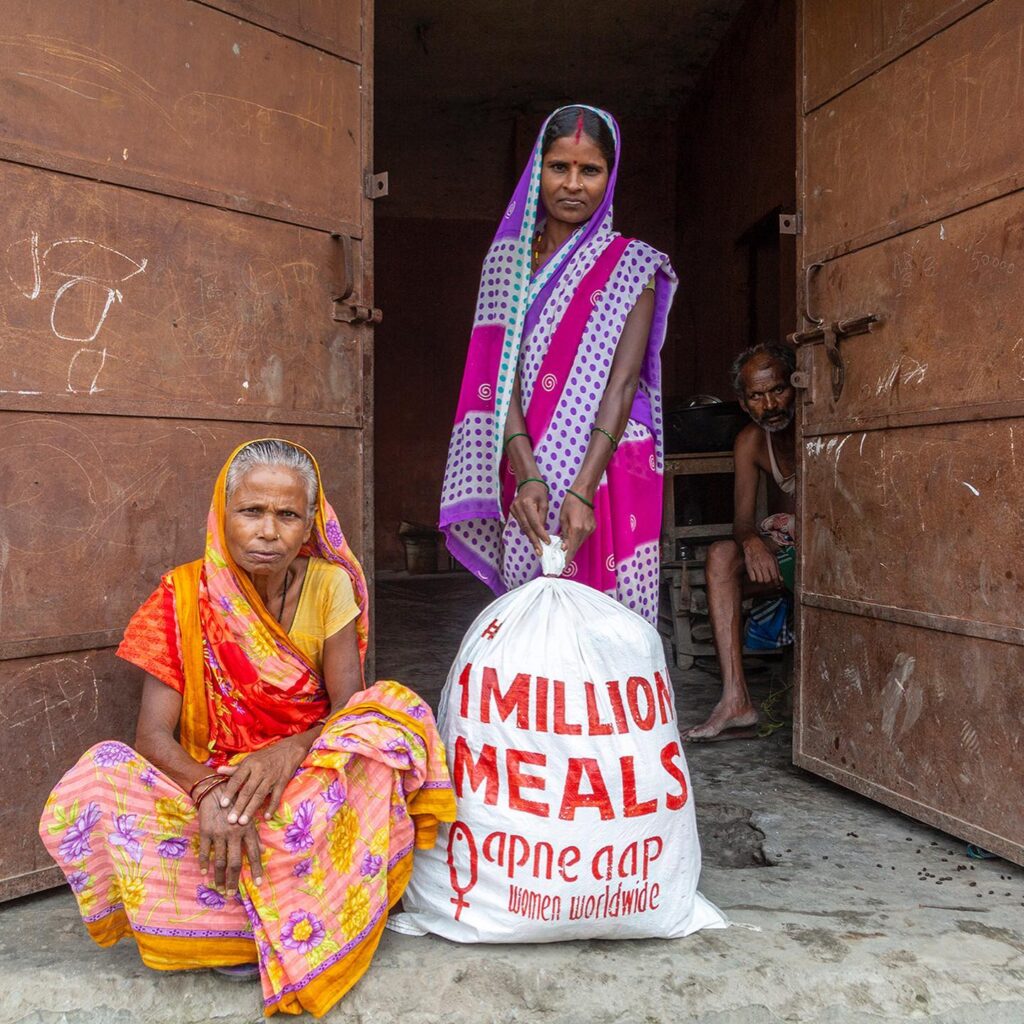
<point>653,846</point>
<point>568,858</point>
<point>617,709</point>
<point>674,800</point>
<point>595,727</point>
<point>630,807</point>
<point>633,687</point>
<point>517,781</point>
<point>517,698</point>
<point>563,728</point>
<point>491,631</point>
<point>572,798</point>
<point>542,704</point>
<point>483,770</point>
<point>460,830</point>
<point>666,707</point>
<point>463,682</point>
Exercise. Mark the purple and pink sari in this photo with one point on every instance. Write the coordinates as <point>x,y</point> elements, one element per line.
<point>558,329</point>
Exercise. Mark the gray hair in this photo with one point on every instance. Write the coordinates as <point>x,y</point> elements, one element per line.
<point>780,353</point>
<point>272,452</point>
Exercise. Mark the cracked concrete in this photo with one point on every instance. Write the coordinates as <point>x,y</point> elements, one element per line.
<point>861,916</point>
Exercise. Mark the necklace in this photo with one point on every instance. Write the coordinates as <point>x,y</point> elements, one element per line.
<point>536,249</point>
<point>284,592</point>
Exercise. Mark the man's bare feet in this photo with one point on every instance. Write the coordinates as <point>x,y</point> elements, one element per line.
<point>725,716</point>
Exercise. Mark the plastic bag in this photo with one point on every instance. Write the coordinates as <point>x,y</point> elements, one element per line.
<point>576,818</point>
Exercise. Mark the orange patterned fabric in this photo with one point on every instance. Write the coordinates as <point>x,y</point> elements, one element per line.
<point>252,684</point>
<point>151,640</point>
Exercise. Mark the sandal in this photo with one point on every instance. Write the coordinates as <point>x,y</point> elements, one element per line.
<point>239,972</point>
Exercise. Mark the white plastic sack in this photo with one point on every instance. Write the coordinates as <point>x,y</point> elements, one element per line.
<point>575,817</point>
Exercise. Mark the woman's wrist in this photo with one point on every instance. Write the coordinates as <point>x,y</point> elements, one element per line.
<point>585,488</point>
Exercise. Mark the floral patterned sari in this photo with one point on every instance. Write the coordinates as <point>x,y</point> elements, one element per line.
<point>338,853</point>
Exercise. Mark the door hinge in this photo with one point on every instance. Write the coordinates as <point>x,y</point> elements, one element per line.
<point>375,186</point>
<point>790,224</point>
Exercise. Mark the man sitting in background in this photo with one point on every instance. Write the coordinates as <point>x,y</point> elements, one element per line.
<point>758,560</point>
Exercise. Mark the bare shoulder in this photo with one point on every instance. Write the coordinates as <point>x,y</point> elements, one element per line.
<point>750,446</point>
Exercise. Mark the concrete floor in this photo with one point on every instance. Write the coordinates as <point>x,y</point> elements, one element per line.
<point>859,916</point>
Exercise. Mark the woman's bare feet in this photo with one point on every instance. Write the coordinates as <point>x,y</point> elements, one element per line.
<point>725,716</point>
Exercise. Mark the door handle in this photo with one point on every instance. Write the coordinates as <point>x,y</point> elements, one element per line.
<point>832,334</point>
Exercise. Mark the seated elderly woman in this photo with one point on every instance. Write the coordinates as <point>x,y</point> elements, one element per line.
<point>269,811</point>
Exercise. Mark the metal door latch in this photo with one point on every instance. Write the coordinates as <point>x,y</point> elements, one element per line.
<point>832,334</point>
<point>349,313</point>
<point>344,311</point>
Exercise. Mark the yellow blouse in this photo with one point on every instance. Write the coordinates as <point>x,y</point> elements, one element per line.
<point>327,603</point>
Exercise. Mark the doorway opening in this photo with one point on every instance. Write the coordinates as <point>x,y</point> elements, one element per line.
<point>704,92</point>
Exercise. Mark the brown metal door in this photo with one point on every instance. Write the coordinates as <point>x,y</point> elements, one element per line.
<point>912,491</point>
<point>174,177</point>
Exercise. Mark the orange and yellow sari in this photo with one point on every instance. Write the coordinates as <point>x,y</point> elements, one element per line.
<point>338,853</point>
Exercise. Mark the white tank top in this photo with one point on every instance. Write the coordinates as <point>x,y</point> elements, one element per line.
<point>787,484</point>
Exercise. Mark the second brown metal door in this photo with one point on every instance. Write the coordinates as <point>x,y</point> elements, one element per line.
<point>912,488</point>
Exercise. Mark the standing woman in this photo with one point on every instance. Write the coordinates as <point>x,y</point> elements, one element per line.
<point>558,427</point>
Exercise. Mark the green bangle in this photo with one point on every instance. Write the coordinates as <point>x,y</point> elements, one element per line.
<point>579,497</point>
<point>512,437</point>
<point>532,480</point>
<point>615,444</point>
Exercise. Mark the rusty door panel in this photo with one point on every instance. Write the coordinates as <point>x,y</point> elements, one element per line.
<point>137,303</point>
<point>332,25</point>
<point>847,41</point>
<point>884,498</point>
<point>927,722</point>
<point>910,486</point>
<point>51,710</point>
<point>934,132</point>
<point>945,290</point>
<point>118,501</point>
<point>230,114</point>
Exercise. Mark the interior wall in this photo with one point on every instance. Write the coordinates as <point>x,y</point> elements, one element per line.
<point>695,181</point>
<point>736,171</point>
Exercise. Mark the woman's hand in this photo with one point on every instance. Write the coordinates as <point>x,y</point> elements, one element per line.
<point>530,509</point>
<point>225,843</point>
<point>262,776</point>
<point>576,523</point>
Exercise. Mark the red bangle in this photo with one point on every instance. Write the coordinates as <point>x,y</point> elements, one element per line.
<point>215,784</point>
<point>195,785</point>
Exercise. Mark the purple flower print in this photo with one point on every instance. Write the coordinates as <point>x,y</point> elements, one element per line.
<point>78,880</point>
<point>298,836</point>
<point>334,797</point>
<point>371,864</point>
<point>303,868</point>
<point>148,777</point>
<point>173,848</point>
<point>333,531</point>
<point>75,843</point>
<point>127,835</point>
<point>210,898</point>
<point>303,931</point>
<point>112,753</point>
<point>400,749</point>
<point>419,711</point>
